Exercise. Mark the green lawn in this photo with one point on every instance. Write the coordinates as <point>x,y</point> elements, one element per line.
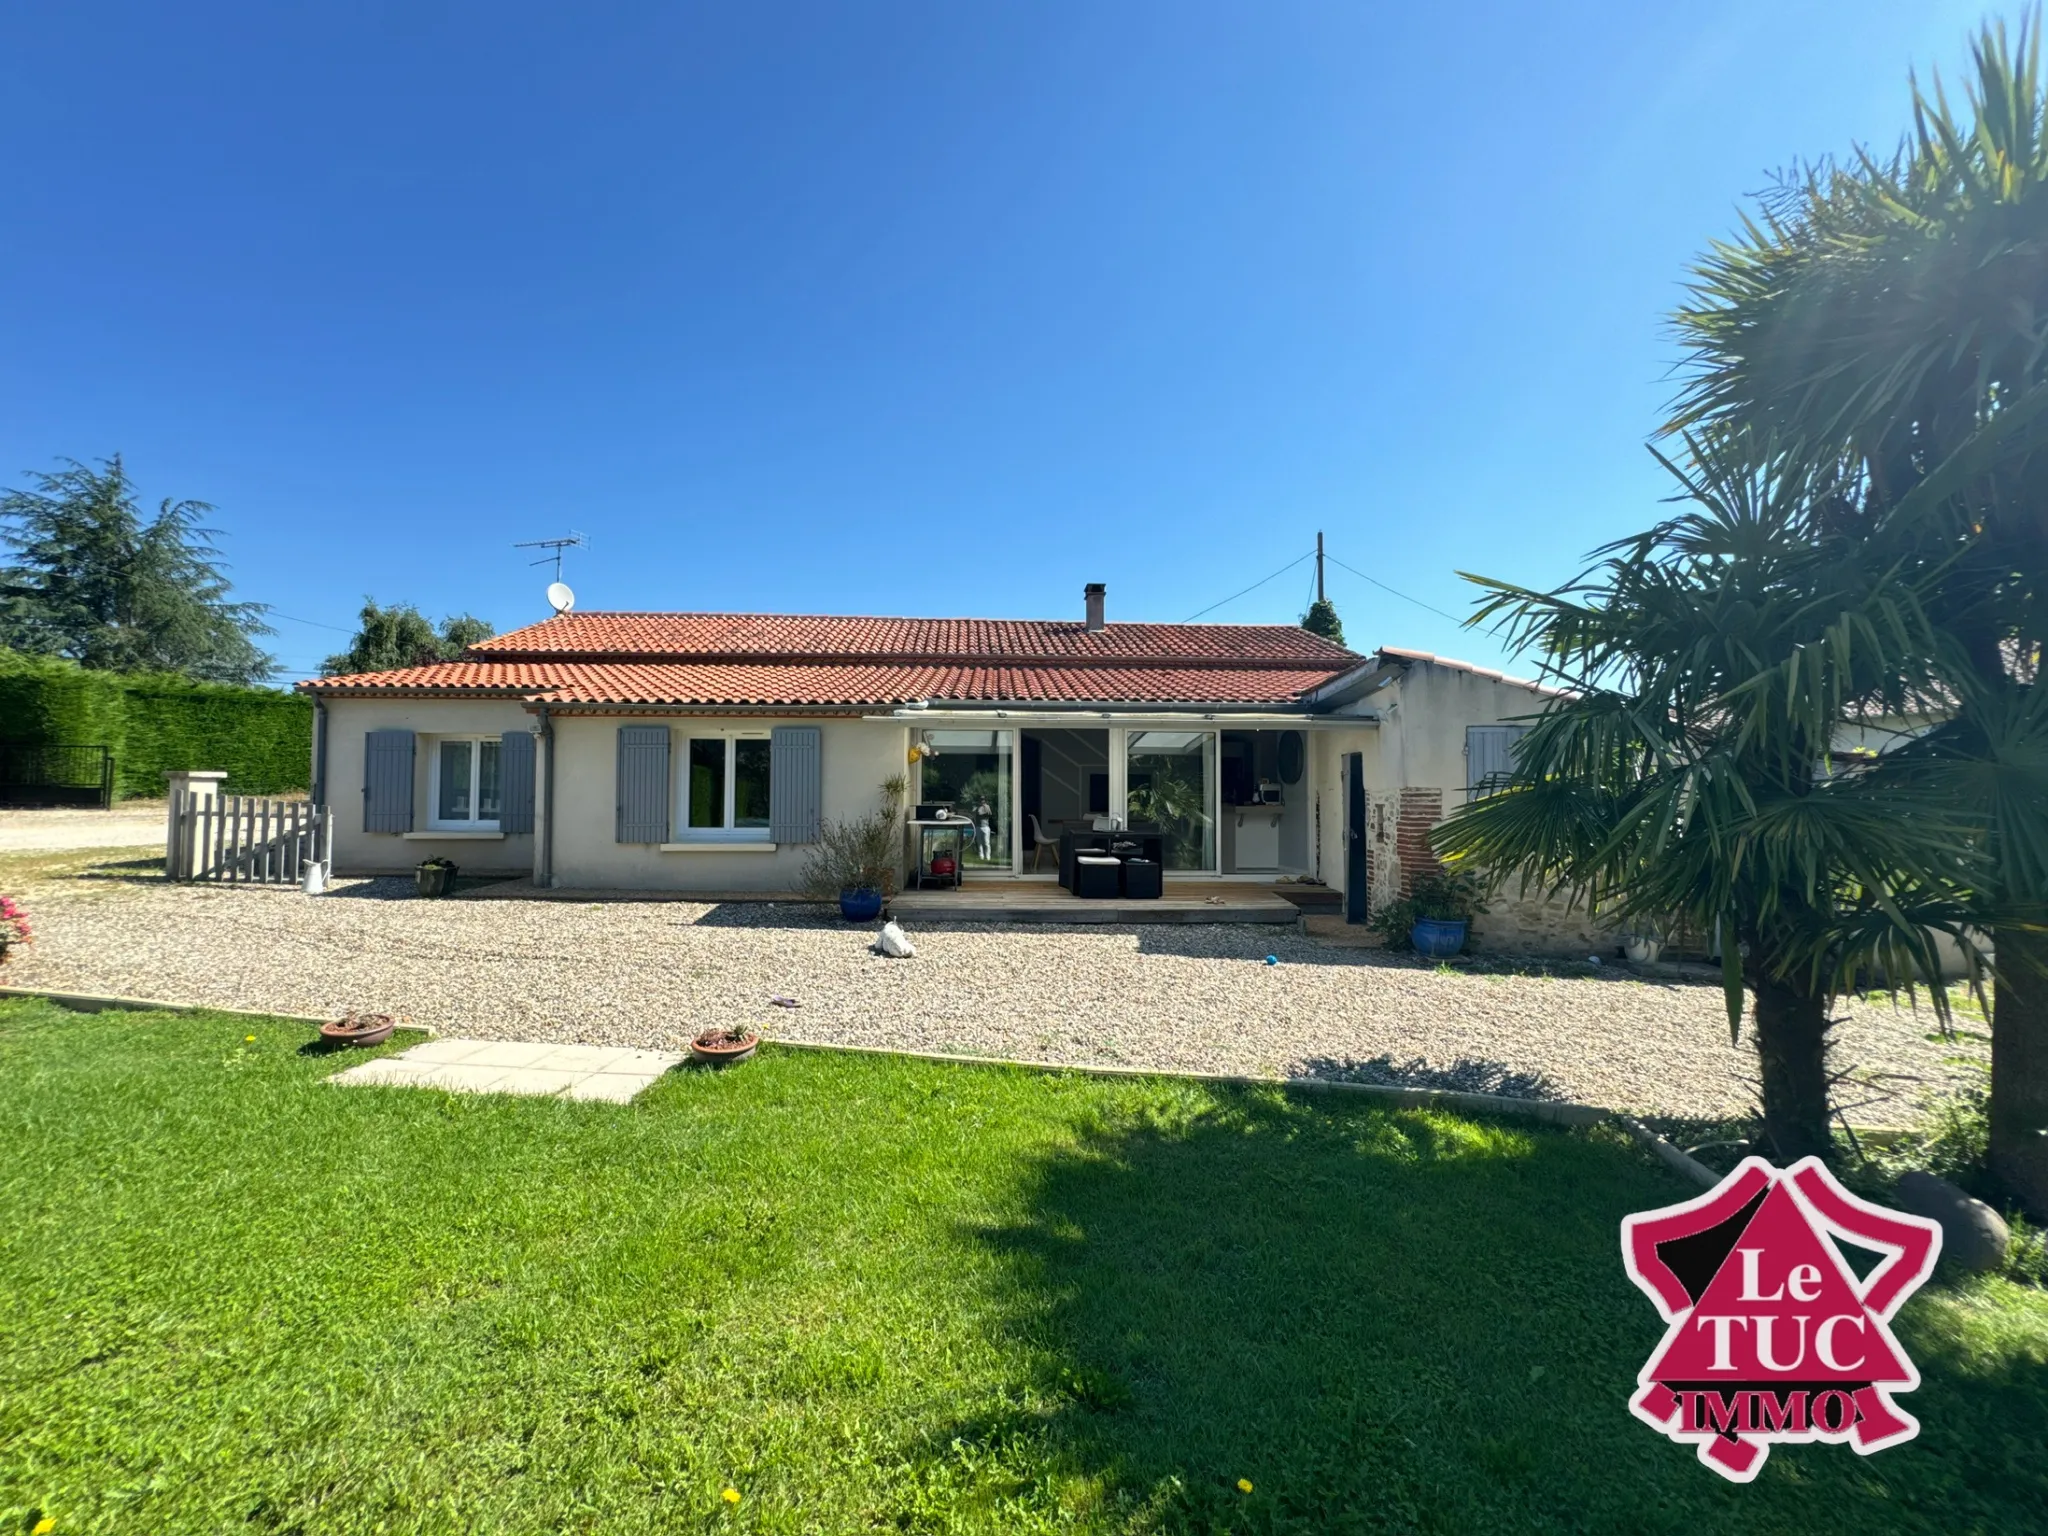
<point>865,1294</point>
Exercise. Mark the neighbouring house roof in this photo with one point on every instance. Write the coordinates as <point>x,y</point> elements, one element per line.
<point>1396,653</point>
<point>704,660</point>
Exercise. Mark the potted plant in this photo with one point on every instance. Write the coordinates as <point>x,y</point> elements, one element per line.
<point>14,928</point>
<point>436,876</point>
<point>855,861</point>
<point>1642,948</point>
<point>354,1028</point>
<point>1435,916</point>
<point>723,1047</point>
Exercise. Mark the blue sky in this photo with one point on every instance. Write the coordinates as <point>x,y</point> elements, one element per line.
<point>919,309</point>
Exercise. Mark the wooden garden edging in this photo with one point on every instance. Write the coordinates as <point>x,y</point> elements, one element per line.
<point>105,1002</point>
<point>1555,1112</point>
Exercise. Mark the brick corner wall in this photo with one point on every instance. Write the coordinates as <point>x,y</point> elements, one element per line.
<point>1517,922</point>
<point>1421,809</point>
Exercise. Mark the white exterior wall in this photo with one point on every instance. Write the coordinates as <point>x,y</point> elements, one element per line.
<point>1327,748</point>
<point>855,757</point>
<point>1438,703</point>
<point>357,852</point>
<point>1413,755</point>
<point>1415,769</point>
<point>1423,721</point>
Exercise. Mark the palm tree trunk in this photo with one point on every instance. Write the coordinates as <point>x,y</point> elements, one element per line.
<point>1792,1050</point>
<point>2019,1067</point>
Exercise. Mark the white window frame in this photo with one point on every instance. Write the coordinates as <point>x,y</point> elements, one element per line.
<point>473,823</point>
<point>726,833</point>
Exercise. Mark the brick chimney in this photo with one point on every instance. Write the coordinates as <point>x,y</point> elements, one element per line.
<point>1093,594</point>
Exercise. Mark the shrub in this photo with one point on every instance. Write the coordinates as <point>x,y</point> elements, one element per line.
<point>862,854</point>
<point>1438,894</point>
<point>157,722</point>
<point>14,928</point>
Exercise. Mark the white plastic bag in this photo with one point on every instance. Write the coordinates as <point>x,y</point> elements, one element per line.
<point>894,942</point>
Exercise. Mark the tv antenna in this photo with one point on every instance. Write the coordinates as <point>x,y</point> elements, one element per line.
<point>560,598</point>
<point>554,548</point>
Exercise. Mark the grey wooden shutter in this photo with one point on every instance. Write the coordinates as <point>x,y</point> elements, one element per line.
<point>515,781</point>
<point>643,784</point>
<point>387,781</point>
<point>1489,756</point>
<point>794,788</point>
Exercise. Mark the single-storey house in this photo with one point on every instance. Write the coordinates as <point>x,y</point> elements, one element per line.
<point>699,751</point>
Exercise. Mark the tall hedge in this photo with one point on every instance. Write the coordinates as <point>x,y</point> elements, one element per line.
<point>157,722</point>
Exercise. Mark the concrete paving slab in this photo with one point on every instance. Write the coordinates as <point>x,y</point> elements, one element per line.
<point>444,1051</point>
<point>510,1053</point>
<point>607,1087</point>
<point>463,1077</point>
<point>583,1058</point>
<point>601,1073</point>
<point>386,1070</point>
<point>537,1081</point>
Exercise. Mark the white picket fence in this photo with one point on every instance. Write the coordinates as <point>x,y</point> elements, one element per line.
<point>245,839</point>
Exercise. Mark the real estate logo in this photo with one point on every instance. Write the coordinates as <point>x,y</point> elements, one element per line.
<point>1773,1339</point>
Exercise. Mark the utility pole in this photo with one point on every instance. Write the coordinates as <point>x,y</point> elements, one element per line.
<point>1319,565</point>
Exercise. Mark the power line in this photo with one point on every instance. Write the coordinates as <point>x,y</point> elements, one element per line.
<point>1290,565</point>
<point>272,613</point>
<point>1418,602</point>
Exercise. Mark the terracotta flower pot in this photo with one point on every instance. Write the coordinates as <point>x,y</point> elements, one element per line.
<point>360,1029</point>
<point>713,1049</point>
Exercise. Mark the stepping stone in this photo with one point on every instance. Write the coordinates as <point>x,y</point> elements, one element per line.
<point>601,1073</point>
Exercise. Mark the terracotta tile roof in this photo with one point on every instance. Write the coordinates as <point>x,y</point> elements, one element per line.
<point>763,660</point>
<point>704,637</point>
<point>858,684</point>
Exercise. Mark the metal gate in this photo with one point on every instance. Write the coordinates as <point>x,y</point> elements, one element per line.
<point>34,773</point>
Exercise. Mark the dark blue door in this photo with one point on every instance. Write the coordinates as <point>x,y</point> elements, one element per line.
<point>1354,837</point>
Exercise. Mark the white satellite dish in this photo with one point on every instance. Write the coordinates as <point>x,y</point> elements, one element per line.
<point>560,597</point>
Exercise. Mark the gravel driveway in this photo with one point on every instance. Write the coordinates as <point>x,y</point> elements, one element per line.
<point>136,824</point>
<point>654,973</point>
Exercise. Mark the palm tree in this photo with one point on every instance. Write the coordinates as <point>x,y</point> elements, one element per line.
<point>1687,774</point>
<point>1886,320</point>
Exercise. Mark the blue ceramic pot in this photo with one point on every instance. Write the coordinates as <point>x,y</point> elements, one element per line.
<point>860,906</point>
<point>1436,937</point>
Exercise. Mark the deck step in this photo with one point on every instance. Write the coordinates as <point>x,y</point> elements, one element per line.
<point>949,906</point>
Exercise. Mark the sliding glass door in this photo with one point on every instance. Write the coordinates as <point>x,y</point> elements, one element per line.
<point>1170,788</point>
<point>969,773</point>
